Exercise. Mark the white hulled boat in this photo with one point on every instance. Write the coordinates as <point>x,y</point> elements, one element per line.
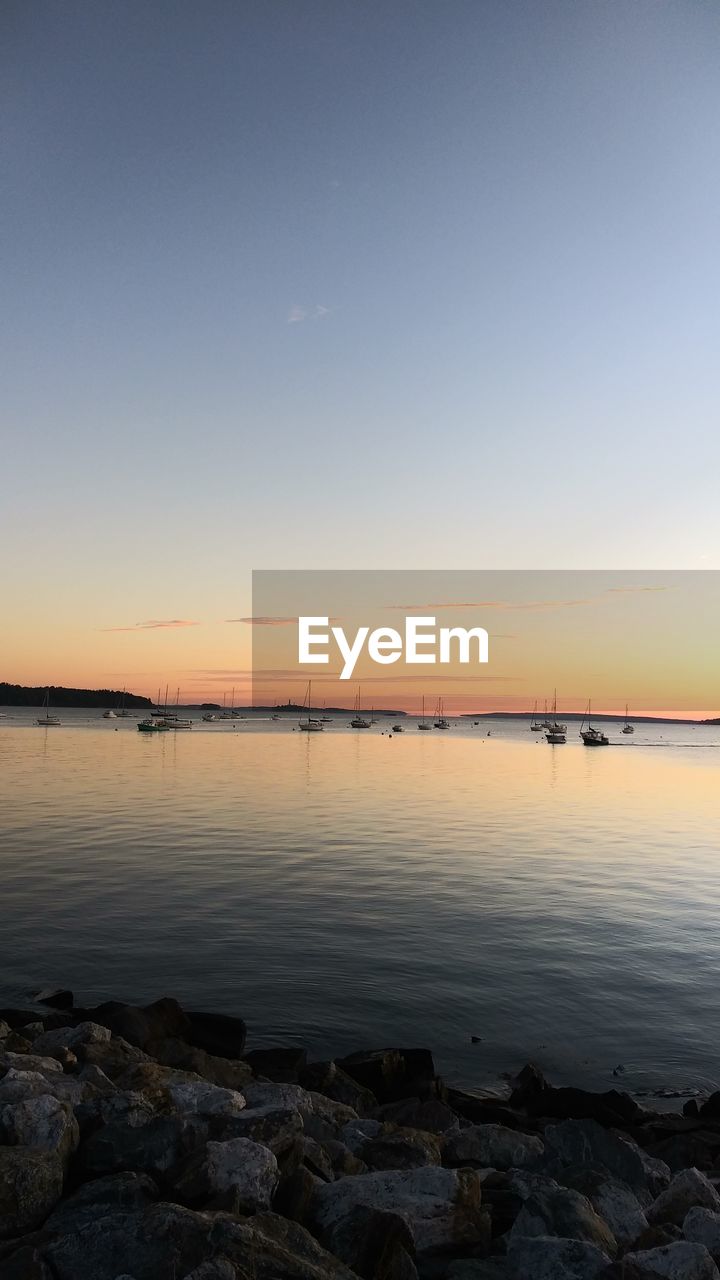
<point>592,737</point>
<point>47,721</point>
<point>311,724</point>
<point>627,727</point>
<point>358,721</point>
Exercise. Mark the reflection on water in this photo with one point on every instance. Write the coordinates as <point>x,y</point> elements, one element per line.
<point>349,889</point>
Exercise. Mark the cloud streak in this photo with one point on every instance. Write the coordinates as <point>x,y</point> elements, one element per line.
<point>527,605</point>
<point>265,620</point>
<point>156,624</point>
<point>297,314</point>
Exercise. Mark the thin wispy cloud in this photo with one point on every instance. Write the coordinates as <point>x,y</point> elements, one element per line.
<point>526,605</point>
<point>155,624</point>
<point>265,621</point>
<point>297,314</point>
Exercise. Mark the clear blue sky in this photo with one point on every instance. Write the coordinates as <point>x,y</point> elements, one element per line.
<point>296,284</point>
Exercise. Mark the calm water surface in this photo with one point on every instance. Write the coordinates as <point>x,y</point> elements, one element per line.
<point>347,889</point>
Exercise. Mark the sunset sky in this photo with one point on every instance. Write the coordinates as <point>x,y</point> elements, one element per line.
<point>334,285</point>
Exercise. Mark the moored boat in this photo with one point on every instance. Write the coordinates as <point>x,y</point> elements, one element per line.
<point>627,727</point>
<point>47,721</point>
<point>592,737</point>
<point>359,721</point>
<point>311,724</point>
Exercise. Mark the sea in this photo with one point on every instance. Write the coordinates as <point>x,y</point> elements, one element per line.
<point>478,891</point>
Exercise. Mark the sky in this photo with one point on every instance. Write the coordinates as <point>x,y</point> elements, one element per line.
<point>338,285</point>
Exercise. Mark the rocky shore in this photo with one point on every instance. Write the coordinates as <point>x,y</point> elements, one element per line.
<point>148,1144</point>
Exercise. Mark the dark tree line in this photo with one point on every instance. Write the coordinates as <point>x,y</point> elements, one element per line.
<point>20,695</point>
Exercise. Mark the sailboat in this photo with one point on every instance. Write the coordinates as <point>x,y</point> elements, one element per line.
<point>225,714</point>
<point>122,712</point>
<point>157,721</point>
<point>423,723</point>
<point>535,725</point>
<point>311,724</point>
<point>592,737</point>
<point>47,721</point>
<point>358,721</point>
<point>173,721</point>
<point>627,727</point>
<point>556,732</point>
<point>440,721</point>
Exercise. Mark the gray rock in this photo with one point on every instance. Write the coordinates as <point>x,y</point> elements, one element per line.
<point>274,1127</point>
<point>614,1202</point>
<point>432,1115</point>
<point>492,1146</point>
<point>396,1148</point>
<point>564,1213</point>
<point>330,1080</point>
<point>168,1242</point>
<point>687,1190</point>
<point>702,1226</point>
<point>155,1147</point>
<point>247,1169</point>
<point>551,1258</point>
<point>586,1143</point>
<point>217,1269</point>
<point>375,1243</point>
<point>441,1206</point>
<point>679,1261</point>
<point>31,1184</point>
<point>93,1200</point>
<point>356,1133</point>
<point>204,1099</point>
<point>41,1122</point>
<point>479,1269</point>
<point>28,1062</point>
<point>70,1038</point>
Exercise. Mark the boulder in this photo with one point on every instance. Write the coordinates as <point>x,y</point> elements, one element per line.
<point>563,1212</point>
<point>391,1074</point>
<point>398,1148</point>
<point>702,1226</point>
<point>355,1133</point>
<point>440,1206</point>
<point>218,1034</point>
<point>31,1184</point>
<point>168,1242</point>
<point>344,1162</point>
<point>552,1258</point>
<point>281,1064</point>
<point>154,1147</point>
<point>586,1143</point>
<point>27,1062</point>
<point>678,1261</point>
<point>50,1042</point>
<point>142,1026</point>
<point>18,1086</point>
<point>710,1109</point>
<point>330,1080</point>
<point>430,1114</point>
<point>120,1191</point>
<point>42,1123</point>
<point>204,1099</point>
<point>55,997</point>
<point>295,1194</point>
<point>276,1128</point>
<point>377,1244</point>
<point>492,1146</point>
<point>616,1204</point>
<point>479,1269</point>
<point>687,1190</point>
<point>244,1173</point>
<point>225,1072</point>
